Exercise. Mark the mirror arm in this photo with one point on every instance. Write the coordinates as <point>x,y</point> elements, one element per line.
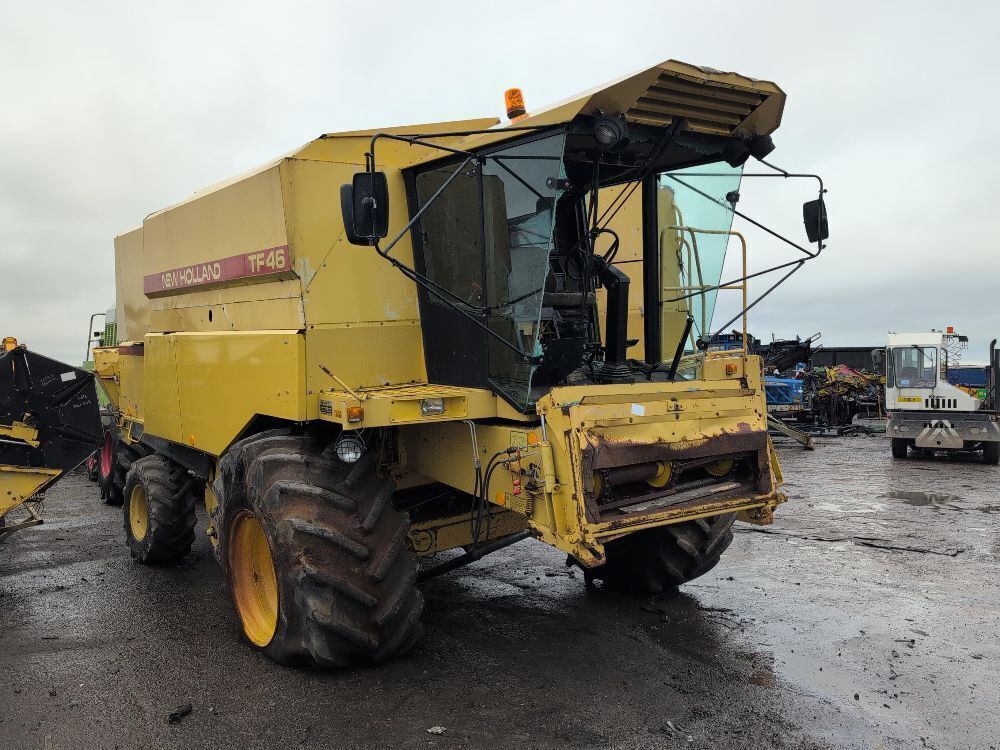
<point>430,202</point>
<point>798,264</point>
<point>422,281</point>
<point>429,285</point>
<point>743,216</point>
<point>786,174</point>
<point>413,141</point>
<point>421,139</point>
<point>778,172</point>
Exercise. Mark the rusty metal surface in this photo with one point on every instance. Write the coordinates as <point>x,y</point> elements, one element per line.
<point>602,453</point>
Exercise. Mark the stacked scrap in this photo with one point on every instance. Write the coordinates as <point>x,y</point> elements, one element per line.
<point>839,393</point>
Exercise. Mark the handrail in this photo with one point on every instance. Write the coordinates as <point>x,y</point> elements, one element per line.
<point>742,285</point>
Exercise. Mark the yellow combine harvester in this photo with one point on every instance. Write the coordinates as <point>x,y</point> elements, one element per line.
<point>49,424</point>
<point>528,356</point>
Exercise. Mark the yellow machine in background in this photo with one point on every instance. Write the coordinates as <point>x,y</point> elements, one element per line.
<point>49,424</point>
<point>521,359</point>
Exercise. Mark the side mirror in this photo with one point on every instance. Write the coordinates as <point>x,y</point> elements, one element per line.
<point>878,360</point>
<point>364,205</point>
<point>814,216</point>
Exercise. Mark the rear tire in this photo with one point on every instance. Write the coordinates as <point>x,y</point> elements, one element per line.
<point>328,533</point>
<point>159,510</point>
<point>111,493</point>
<point>112,473</point>
<point>991,453</point>
<point>661,559</point>
<point>899,447</point>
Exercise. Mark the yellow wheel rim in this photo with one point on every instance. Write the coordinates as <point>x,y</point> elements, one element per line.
<point>720,468</point>
<point>138,513</point>
<point>664,471</point>
<point>255,585</point>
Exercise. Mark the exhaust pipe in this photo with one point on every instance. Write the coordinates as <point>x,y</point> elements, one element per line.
<point>994,375</point>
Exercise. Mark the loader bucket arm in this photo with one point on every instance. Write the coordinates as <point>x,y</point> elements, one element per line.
<point>49,423</point>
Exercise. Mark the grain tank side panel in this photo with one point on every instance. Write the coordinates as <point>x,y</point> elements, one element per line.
<point>222,260</point>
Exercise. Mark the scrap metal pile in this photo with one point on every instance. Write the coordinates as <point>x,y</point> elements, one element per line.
<point>833,396</point>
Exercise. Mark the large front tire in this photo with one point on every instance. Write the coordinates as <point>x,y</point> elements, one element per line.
<point>315,555</point>
<point>661,559</point>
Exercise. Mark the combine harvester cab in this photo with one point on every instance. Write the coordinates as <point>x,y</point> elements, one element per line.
<point>49,424</point>
<point>928,413</point>
<point>501,334</point>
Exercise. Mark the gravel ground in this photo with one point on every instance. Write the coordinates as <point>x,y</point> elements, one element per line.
<point>866,617</point>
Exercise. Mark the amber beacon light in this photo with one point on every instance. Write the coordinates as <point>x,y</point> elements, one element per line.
<point>514,101</point>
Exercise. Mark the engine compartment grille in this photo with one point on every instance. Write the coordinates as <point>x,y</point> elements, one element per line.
<point>708,107</point>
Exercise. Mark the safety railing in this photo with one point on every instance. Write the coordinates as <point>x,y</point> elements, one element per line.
<point>694,259</point>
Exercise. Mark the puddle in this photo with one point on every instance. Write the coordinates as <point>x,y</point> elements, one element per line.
<point>924,499</point>
<point>763,678</point>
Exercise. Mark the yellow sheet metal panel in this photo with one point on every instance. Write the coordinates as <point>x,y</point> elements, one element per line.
<point>131,304</point>
<point>161,411</point>
<point>345,283</point>
<point>401,405</point>
<point>226,245</point>
<point>443,452</point>
<point>364,354</point>
<point>350,149</point>
<point>221,381</point>
<point>251,315</point>
<point>18,483</point>
<point>131,379</point>
<point>107,367</point>
<point>360,312</point>
<point>627,224</point>
<point>426,538</point>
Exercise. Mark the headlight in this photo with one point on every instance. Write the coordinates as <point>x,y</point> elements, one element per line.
<point>350,447</point>
<point>432,407</point>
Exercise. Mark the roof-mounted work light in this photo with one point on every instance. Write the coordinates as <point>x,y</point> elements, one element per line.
<point>610,132</point>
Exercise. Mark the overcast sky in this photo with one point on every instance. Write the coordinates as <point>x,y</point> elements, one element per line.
<point>112,110</point>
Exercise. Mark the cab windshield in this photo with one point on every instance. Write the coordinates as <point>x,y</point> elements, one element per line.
<point>913,367</point>
<point>485,243</point>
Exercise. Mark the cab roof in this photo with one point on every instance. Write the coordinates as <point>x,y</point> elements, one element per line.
<point>712,102</point>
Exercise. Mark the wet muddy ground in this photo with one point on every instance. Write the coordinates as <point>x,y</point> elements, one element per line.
<point>868,616</point>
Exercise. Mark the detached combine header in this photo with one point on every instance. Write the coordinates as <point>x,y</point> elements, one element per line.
<point>49,424</point>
